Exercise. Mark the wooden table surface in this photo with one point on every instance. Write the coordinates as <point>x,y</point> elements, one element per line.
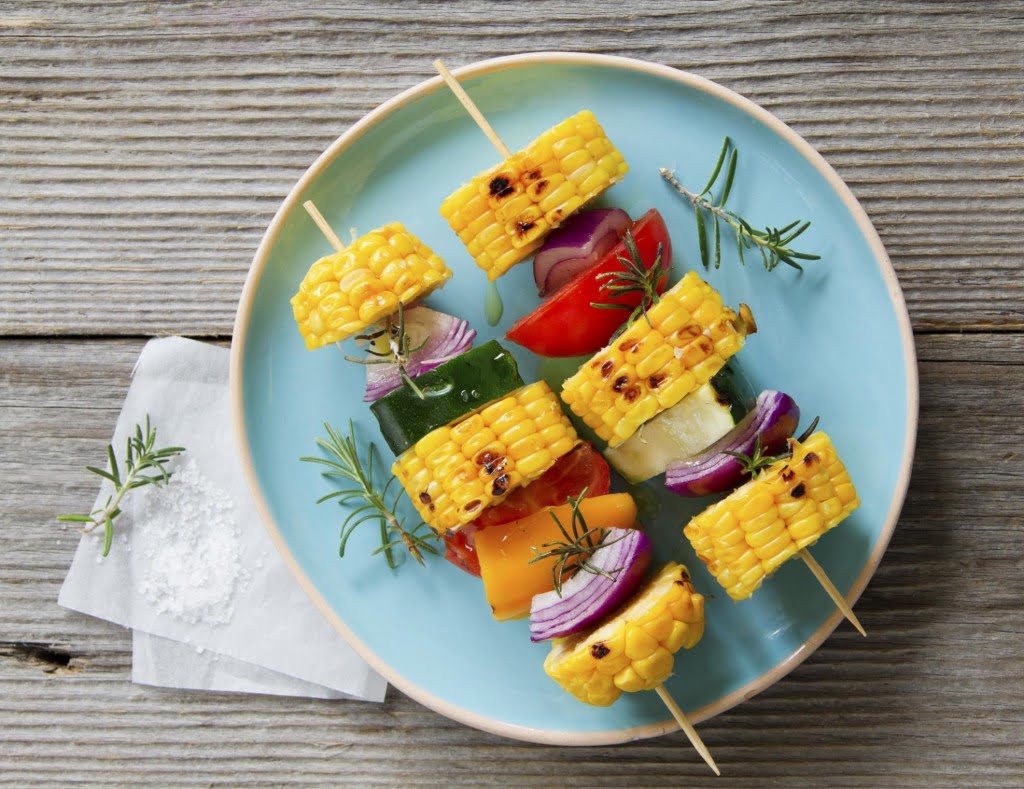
<point>143,150</point>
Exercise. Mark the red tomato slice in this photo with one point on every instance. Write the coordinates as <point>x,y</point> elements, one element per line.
<point>566,324</point>
<point>584,467</point>
<point>459,550</point>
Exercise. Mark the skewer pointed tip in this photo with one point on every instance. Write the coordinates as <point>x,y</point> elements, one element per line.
<point>688,729</point>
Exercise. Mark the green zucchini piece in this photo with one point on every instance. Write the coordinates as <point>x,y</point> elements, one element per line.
<point>733,386</point>
<point>461,385</point>
<point>696,421</point>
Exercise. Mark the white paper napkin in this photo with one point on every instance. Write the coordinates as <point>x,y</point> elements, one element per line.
<point>172,664</point>
<point>159,578</point>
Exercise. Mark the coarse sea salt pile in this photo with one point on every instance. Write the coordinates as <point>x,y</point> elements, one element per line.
<point>188,534</point>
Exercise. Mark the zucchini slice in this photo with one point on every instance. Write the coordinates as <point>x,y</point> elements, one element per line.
<point>470,381</point>
<point>699,419</point>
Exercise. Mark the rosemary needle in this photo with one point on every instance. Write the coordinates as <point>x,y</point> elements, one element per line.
<point>140,457</point>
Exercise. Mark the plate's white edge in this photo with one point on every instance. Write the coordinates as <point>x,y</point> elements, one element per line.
<point>549,736</point>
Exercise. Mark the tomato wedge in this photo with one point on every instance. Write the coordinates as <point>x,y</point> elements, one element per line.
<point>566,324</point>
<point>584,467</point>
<point>459,550</point>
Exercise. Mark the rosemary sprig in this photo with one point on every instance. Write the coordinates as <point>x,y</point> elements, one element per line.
<point>757,460</point>
<point>140,457</point>
<point>635,277</point>
<point>399,348</point>
<point>573,552</point>
<point>773,243</point>
<point>376,504</point>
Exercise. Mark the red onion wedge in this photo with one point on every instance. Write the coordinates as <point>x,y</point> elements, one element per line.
<point>446,337</point>
<point>774,418</point>
<point>576,246</point>
<point>588,597</point>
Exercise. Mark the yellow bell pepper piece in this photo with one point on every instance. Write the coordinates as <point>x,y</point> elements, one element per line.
<point>505,551</point>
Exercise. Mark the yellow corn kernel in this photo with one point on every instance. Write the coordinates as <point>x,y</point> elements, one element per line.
<point>503,214</point>
<point>347,292</point>
<point>652,366</point>
<point>455,472</point>
<point>745,537</point>
<point>634,650</point>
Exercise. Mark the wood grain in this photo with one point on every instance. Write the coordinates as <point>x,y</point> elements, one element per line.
<point>935,696</point>
<point>145,146</point>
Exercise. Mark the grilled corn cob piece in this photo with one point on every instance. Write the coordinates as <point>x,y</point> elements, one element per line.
<point>504,213</point>
<point>347,292</point>
<point>634,650</point>
<point>746,536</point>
<point>654,364</point>
<point>453,473</point>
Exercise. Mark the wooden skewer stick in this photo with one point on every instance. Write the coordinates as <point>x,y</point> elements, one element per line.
<point>687,727</point>
<point>325,228</point>
<point>830,587</point>
<point>472,109</point>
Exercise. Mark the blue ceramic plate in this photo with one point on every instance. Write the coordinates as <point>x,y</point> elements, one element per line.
<point>837,338</point>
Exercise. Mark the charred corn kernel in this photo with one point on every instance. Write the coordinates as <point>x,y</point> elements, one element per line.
<point>787,507</point>
<point>504,213</point>
<point>634,650</point>
<point>347,292</point>
<point>455,472</point>
<point>653,365</point>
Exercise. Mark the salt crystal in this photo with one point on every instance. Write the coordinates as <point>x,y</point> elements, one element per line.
<point>193,544</point>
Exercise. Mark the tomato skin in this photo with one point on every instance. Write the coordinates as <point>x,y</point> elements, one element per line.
<point>566,324</point>
<point>584,467</point>
<point>459,550</point>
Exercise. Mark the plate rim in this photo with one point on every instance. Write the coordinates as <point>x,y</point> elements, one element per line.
<point>713,89</point>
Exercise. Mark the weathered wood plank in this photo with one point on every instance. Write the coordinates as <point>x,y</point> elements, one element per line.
<point>145,147</point>
<point>934,697</point>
